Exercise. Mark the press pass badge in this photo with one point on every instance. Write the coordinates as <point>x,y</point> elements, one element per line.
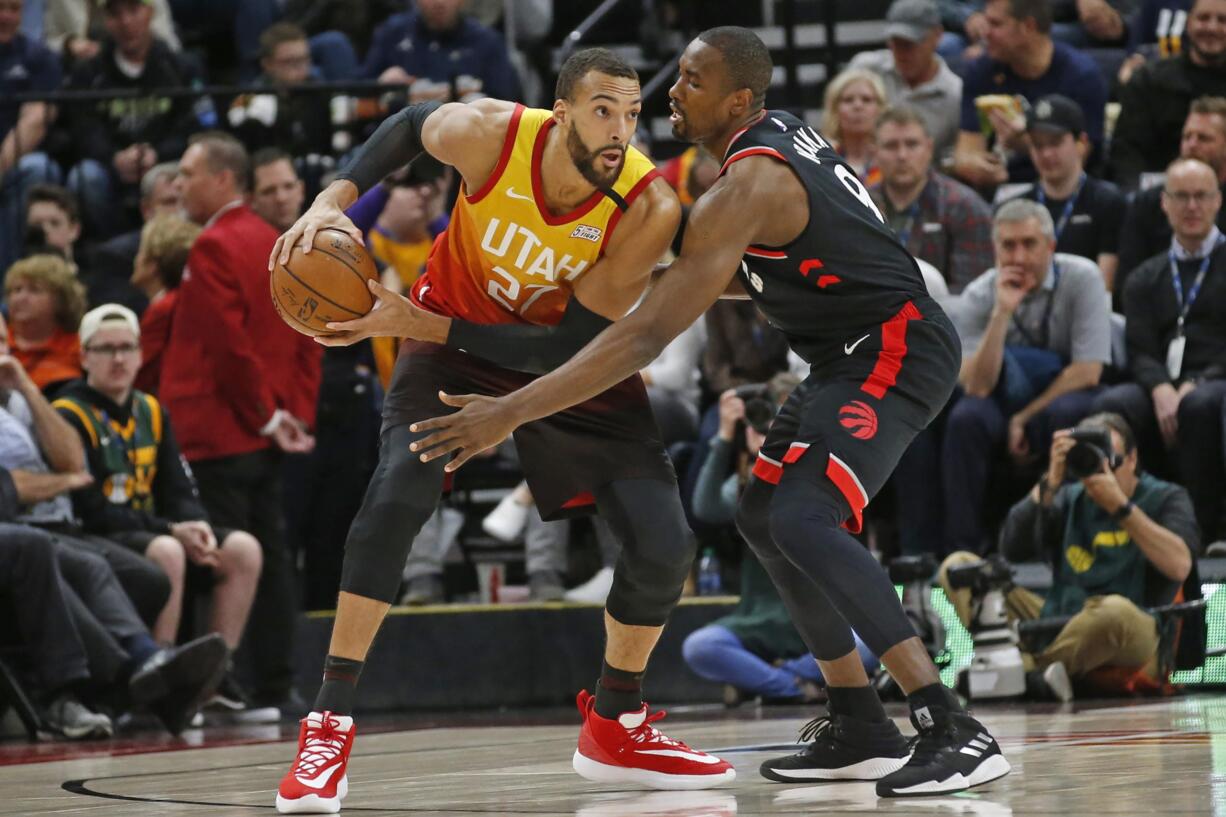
<point>1174,354</point>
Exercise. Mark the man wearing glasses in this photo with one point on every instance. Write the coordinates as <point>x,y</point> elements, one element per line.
<point>1176,340</point>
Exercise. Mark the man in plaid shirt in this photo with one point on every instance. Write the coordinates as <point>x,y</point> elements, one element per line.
<point>939,220</point>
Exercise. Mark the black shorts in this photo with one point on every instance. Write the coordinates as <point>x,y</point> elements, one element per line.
<point>566,456</point>
<point>138,541</point>
<point>859,414</point>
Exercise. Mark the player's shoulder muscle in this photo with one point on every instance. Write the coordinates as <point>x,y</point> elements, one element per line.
<point>467,133</point>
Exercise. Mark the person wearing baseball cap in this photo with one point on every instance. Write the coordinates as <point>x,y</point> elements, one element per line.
<point>144,498</point>
<point>914,74</point>
<point>1087,211</point>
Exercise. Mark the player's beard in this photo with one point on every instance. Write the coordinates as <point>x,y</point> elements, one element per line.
<point>585,161</point>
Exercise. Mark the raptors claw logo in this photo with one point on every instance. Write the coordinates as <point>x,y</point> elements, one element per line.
<point>859,419</point>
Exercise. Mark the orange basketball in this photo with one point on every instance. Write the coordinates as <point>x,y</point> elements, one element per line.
<point>327,284</point>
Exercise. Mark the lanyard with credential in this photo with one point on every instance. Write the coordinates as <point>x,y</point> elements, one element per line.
<point>1045,327</point>
<point>1068,205</point>
<point>1185,306</point>
<point>912,212</point>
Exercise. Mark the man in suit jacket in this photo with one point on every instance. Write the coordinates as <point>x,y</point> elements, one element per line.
<point>241,386</point>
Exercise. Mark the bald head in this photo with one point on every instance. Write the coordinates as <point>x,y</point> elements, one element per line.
<point>1191,199</point>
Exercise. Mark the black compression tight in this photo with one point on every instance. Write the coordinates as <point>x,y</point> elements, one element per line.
<point>829,582</point>
<point>645,514</point>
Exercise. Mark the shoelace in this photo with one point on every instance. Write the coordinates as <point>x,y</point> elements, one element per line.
<point>646,733</point>
<point>322,744</point>
<point>821,726</point>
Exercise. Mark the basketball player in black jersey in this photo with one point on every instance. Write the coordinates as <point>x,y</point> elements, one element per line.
<point>789,225</point>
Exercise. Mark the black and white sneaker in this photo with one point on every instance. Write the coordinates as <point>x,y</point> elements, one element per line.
<point>951,753</point>
<point>841,748</point>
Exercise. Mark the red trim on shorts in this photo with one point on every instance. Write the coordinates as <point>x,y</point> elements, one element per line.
<point>758,252</point>
<point>629,198</point>
<point>849,486</point>
<point>538,150</point>
<point>795,452</point>
<point>893,350</point>
<point>578,501</point>
<point>756,150</point>
<point>767,469</point>
<point>508,143</point>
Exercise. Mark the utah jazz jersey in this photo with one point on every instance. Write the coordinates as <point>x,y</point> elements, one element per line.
<point>505,258</point>
<point>846,274</point>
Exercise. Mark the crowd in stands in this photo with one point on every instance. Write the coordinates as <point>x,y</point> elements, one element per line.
<point>166,440</point>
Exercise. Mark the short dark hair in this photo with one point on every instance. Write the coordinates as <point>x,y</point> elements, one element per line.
<point>1037,10</point>
<point>225,152</point>
<point>902,115</point>
<point>61,197</point>
<point>582,63</point>
<point>746,56</point>
<point>279,33</point>
<point>269,156</point>
<point>1110,421</point>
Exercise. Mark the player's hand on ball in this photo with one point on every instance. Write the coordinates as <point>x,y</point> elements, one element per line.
<point>482,422</point>
<point>393,316</point>
<point>323,213</point>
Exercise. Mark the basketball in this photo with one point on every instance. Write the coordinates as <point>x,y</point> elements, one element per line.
<point>327,284</point>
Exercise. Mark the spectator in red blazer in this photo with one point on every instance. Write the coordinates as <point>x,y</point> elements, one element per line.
<point>241,386</point>
<point>165,242</point>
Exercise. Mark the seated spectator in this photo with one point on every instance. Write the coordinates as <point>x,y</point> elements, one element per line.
<point>914,74</point>
<point>26,66</point>
<point>1154,104</point>
<point>165,244</point>
<point>1021,60</point>
<point>121,140</point>
<point>45,303</point>
<point>1176,337</point>
<point>46,461</point>
<point>53,220</point>
<point>297,121</point>
<point>143,496</point>
<point>938,219</point>
<point>1035,333</point>
<point>441,53</point>
<point>1146,231</point>
<point>852,102</point>
<point>1120,540</point>
<point>1155,32</point>
<point>276,191</point>
<point>755,650</point>
<point>85,639</point>
<point>75,28</point>
<point>1087,211</point>
<point>111,263</point>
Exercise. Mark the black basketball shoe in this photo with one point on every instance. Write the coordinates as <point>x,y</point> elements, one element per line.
<point>951,753</point>
<point>842,748</point>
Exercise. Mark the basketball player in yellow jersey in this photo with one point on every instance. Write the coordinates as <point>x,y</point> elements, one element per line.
<point>555,235</point>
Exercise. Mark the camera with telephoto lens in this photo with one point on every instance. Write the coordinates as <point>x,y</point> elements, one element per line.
<point>760,408</point>
<point>1091,447</point>
<point>982,576</point>
<point>996,669</point>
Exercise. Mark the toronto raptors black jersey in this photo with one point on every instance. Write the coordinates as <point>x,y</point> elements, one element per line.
<point>846,273</point>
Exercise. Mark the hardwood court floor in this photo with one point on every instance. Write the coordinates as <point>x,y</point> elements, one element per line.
<point>1151,758</point>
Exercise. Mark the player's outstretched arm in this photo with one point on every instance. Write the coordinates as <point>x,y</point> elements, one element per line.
<point>723,222</point>
<point>466,136</point>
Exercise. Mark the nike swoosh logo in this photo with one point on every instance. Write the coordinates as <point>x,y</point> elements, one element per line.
<point>709,760</point>
<point>849,348</point>
<point>320,781</point>
<point>511,192</point>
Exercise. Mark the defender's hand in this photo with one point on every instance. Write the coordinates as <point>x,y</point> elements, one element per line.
<point>393,316</point>
<point>482,422</point>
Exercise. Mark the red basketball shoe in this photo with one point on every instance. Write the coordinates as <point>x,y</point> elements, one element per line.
<point>316,782</point>
<point>631,750</point>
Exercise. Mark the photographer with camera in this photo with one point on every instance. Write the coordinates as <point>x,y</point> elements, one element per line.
<point>1119,541</point>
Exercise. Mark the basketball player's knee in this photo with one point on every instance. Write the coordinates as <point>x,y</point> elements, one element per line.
<point>649,578</point>
<point>753,521</point>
